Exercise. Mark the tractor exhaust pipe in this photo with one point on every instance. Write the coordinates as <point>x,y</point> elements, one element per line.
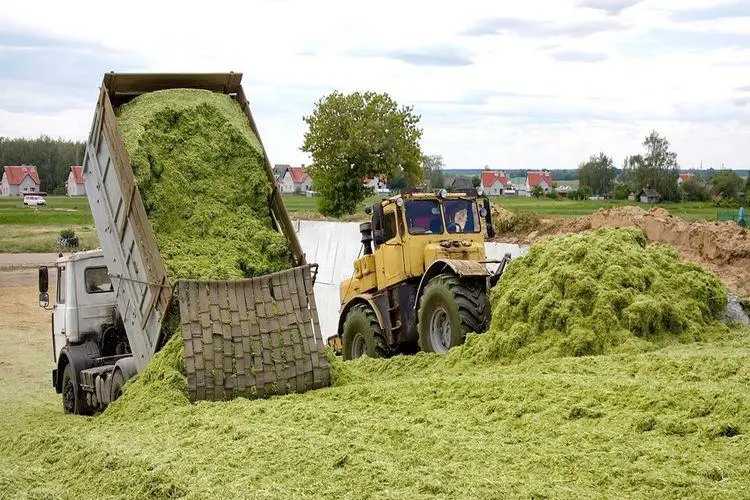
<point>366,229</point>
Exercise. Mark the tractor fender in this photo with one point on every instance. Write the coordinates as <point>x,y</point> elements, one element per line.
<point>461,268</point>
<point>364,298</point>
<point>80,356</point>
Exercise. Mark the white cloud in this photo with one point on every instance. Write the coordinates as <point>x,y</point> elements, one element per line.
<point>517,96</point>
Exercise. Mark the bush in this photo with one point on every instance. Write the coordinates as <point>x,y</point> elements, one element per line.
<point>520,222</point>
<point>622,191</point>
<point>68,239</point>
<point>693,190</point>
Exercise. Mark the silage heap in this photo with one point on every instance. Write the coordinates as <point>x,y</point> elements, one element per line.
<point>199,169</point>
<point>200,173</point>
<point>598,292</point>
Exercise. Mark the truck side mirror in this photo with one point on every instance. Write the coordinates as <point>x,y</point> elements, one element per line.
<point>43,286</point>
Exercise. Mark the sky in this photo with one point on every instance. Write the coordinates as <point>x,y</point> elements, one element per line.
<point>531,84</point>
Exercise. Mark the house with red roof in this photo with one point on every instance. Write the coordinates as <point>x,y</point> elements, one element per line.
<point>683,177</point>
<point>295,180</point>
<point>494,182</point>
<point>74,184</point>
<point>19,180</point>
<point>542,178</point>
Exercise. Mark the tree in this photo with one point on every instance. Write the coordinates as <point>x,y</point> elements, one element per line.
<point>432,171</point>
<point>656,169</point>
<point>359,135</point>
<point>537,192</point>
<point>598,174</point>
<point>747,188</point>
<point>397,183</point>
<point>727,184</point>
<point>622,191</point>
<point>476,181</point>
<point>694,190</point>
<point>583,193</point>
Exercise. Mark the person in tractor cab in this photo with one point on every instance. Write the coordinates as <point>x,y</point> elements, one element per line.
<point>459,218</point>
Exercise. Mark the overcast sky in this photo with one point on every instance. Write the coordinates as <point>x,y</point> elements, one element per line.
<point>531,84</point>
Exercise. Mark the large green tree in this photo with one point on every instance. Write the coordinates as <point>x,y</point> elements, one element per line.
<point>432,171</point>
<point>598,174</point>
<point>356,136</point>
<point>727,184</point>
<point>657,168</point>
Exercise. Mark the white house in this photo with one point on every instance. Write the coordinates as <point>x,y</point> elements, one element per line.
<point>683,177</point>
<point>379,184</point>
<point>19,180</point>
<point>495,182</point>
<point>541,178</point>
<point>295,180</point>
<point>75,185</point>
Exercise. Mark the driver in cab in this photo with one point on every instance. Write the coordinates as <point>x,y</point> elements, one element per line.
<point>459,222</point>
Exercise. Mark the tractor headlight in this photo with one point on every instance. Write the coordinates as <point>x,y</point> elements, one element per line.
<point>400,202</point>
<point>480,191</point>
<point>483,212</point>
<point>443,193</point>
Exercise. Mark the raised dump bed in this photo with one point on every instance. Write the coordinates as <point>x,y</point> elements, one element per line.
<point>255,336</point>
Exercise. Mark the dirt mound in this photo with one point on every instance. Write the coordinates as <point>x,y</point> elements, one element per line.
<point>722,247</point>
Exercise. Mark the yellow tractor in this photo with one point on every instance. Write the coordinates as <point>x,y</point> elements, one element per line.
<point>425,283</point>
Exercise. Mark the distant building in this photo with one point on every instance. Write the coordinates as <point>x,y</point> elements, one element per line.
<point>563,190</point>
<point>279,170</point>
<point>461,183</point>
<point>683,177</point>
<point>19,180</point>
<point>74,184</point>
<point>295,180</point>
<point>494,182</point>
<point>541,178</point>
<point>649,195</point>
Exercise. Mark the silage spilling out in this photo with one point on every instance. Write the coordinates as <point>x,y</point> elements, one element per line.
<point>595,293</point>
<point>199,169</point>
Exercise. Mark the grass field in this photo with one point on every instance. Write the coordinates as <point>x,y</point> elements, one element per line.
<point>31,229</point>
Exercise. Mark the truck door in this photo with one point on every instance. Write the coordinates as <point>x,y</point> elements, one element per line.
<point>59,313</point>
<point>389,259</point>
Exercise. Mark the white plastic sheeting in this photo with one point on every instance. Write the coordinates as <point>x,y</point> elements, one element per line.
<point>334,246</point>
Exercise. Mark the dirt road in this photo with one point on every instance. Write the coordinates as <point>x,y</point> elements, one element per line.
<point>11,261</point>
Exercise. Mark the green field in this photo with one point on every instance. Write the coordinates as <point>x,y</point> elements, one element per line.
<point>31,229</point>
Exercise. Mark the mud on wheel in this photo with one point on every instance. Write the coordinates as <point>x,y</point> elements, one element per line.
<point>449,308</point>
<point>362,334</point>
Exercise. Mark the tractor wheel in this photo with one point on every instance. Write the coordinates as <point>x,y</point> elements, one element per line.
<point>362,334</point>
<point>448,309</point>
<point>72,399</point>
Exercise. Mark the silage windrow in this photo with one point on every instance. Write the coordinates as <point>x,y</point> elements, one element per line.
<point>598,292</point>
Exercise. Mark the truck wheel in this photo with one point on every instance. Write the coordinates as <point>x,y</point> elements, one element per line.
<point>72,398</point>
<point>448,309</point>
<point>362,334</point>
<point>118,381</point>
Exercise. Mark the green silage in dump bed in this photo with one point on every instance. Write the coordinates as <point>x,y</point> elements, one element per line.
<point>199,169</point>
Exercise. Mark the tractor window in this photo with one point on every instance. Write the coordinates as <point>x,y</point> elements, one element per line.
<point>424,217</point>
<point>61,285</point>
<point>97,280</point>
<point>461,216</point>
<point>389,226</point>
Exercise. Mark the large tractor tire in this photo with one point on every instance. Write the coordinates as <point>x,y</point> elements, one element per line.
<point>448,309</point>
<point>362,334</point>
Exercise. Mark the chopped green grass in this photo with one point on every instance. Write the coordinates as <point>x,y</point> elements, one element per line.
<point>200,172</point>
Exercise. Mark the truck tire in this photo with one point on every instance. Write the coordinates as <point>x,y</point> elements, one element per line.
<point>72,397</point>
<point>118,381</point>
<point>362,334</point>
<point>448,309</point>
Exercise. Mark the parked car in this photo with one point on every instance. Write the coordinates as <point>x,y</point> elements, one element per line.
<point>34,200</point>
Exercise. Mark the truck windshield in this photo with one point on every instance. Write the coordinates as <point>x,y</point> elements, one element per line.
<point>424,217</point>
<point>461,216</point>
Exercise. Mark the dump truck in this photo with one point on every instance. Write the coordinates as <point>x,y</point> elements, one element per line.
<point>115,307</point>
<point>425,283</point>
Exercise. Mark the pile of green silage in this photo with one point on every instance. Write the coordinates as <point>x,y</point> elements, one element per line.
<point>599,292</point>
<point>199,169</point>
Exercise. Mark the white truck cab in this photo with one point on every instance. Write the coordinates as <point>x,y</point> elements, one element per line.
<point>88,338</point>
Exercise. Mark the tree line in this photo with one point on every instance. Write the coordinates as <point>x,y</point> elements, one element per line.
<point>657,168</point>
<point>51,157</point>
